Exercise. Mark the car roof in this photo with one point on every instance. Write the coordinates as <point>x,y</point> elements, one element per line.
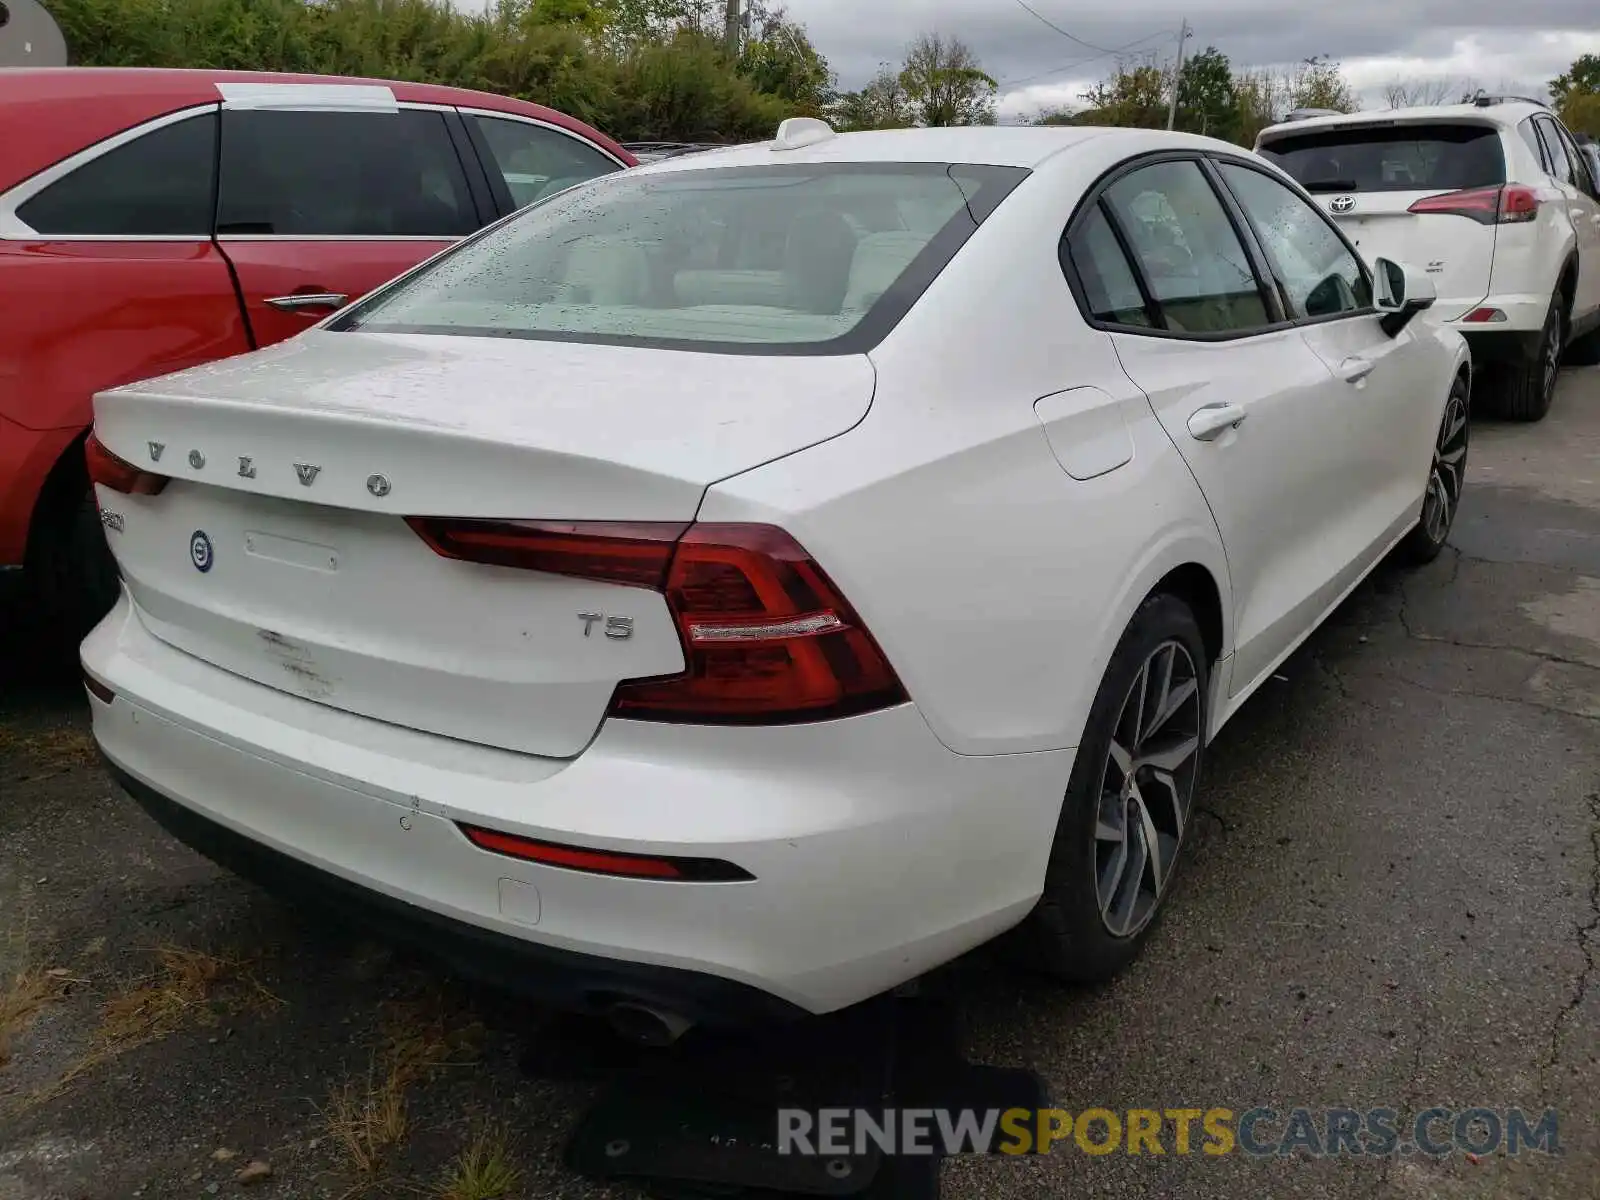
<point>48,113</point>
<point>978,145</point>
<point>1504,113</point>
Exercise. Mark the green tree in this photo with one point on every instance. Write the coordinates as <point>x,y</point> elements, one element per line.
<point>780,60</point>
<point>881,104</point>
<point>1318,82</point>
<point>1577,94</point>
<point>1582,76</point>
<point>1205,94</point>
<point>945,84</point>
<point>1133,97</point>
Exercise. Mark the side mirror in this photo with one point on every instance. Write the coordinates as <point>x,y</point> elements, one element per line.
<point>1402,292</point>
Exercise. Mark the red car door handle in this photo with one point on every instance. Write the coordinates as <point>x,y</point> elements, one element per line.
<point>308,301</point>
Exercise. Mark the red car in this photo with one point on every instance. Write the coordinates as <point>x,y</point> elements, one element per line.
<point>152,220</point>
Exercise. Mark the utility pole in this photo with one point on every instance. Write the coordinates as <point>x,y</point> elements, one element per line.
<point>730,29</point>
<point>1177,74</point>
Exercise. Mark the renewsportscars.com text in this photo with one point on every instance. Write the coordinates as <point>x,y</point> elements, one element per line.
<point>1256,1132</point>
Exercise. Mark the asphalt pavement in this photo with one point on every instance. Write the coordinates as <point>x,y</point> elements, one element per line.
<point>1393,902</point>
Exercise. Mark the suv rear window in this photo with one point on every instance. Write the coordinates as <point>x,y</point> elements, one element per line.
<point>1394,158</point>
<point>819,259</point>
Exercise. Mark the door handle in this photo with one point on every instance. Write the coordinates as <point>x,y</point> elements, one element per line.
<point>1208,422</point>
<point>1354,370</point>
<point>308,301</point>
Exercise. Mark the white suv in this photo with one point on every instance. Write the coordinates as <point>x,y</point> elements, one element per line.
<point>1495,201</point>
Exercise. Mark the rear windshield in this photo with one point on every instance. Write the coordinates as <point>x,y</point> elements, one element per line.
<point>1396,158</point>
<point>785,260</point>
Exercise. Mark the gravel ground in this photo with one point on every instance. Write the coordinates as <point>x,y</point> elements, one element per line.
<point>1393,901</point>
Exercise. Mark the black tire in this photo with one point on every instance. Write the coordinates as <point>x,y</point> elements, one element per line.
<point>1447,476</point>
<point>70,569</point>
<point>1523,391</point>
<point>1066,935</point>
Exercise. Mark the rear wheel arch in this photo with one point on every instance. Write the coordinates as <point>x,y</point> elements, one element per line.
<point>1195,585</point>
<point>1567,284</point>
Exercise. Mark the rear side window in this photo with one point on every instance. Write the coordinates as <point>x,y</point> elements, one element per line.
<point>346,174</point>
<point>1396,158</point>
<point>158,185</point>
<point>1108,282</point>
<point>536,162</point>
<point>1554,152</point>
<point>816,259</point>
<point>1191,259</point>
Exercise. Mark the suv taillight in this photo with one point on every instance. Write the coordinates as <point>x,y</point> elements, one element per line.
<point>1508,205</point>
<point>118,474</point>
<point>767,636</point>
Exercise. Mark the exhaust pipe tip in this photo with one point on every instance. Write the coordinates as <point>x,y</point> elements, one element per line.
<point>645,1025</point>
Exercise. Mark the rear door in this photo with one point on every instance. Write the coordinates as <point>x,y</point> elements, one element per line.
<point>326,192</point>
<point>1578,188</point>
<point>1368,175</point>
<point>1252,409</point>
<point>527,160</point>
<point>108,273</point>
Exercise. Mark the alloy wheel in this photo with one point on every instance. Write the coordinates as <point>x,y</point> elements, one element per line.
<point>1146,789</point>
<point>1552,354</point>
<point>1449,469</point>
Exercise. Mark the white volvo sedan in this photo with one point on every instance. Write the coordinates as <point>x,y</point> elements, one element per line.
<point>731,588</point>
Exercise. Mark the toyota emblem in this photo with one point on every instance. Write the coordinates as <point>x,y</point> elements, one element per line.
<point>1342,204</point>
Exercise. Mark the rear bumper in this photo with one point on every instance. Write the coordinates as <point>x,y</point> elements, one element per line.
<point>877,853</point>
<point>560,978</point>
<point>1516,339</point>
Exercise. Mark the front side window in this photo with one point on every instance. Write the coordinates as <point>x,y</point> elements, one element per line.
<point>822,258</point>
<point>345,174</point>
<point>1413,157</point>
<point>1582,176</point>
<point>1195,267</point>
<point>536,162</point>
<point>1319,274</point>
<point>158,185</point>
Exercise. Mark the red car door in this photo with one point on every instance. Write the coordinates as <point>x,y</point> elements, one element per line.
<point>317,206</point>
<point>107,275</point>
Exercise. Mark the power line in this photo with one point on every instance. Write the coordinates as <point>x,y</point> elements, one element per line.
<point>1079,62</point>
<point>1072,37</point>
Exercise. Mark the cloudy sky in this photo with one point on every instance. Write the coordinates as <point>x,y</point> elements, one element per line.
<point>1518,44</point>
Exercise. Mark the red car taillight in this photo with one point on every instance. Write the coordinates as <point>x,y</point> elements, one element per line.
<point>1508,205</point>
<point>118,474</point>
<point>767,636</point>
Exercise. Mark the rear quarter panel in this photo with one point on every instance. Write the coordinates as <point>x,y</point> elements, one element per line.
<point>997,584</point>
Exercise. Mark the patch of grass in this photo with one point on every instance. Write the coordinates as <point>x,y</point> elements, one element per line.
<point>49,751</point>
<point>27,991</point>
<point>482,1171</point>
<point>25,988</point>
<point>183,989</point>
<point>367,1119</point>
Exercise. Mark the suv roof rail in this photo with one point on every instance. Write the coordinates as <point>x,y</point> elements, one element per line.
<point>1485,99</point>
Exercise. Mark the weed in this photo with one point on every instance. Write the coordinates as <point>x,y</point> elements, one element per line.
<point>482,1171</point>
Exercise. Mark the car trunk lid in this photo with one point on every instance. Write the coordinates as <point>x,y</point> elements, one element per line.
<point>279,549</point>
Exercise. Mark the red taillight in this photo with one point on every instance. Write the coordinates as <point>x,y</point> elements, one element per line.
<point>1488,206</point>
<point>634,553</point>
<point>97,689</point>
<point>604,862</point>
<point>106,469</point>
<point>766,635</point>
